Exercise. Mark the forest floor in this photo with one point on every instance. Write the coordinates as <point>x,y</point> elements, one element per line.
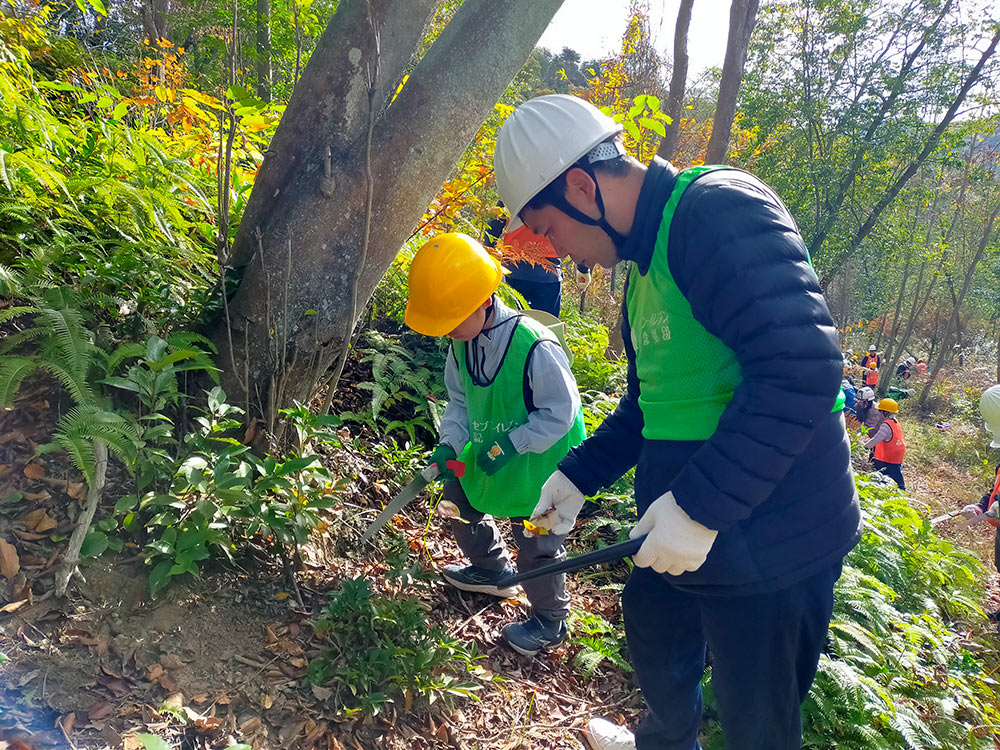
<point>221,660</point>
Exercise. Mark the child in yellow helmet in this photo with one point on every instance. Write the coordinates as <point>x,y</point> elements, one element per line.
<point>513,413</point>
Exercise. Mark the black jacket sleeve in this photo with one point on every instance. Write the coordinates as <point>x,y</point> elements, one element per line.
<point>738,257</point>
<point>614,447</point>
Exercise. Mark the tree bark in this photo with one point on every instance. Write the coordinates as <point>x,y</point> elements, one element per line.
<point>300,238</point>
<point>742,19</point>
<point>969,274</point>
<point>678,81</point>
<point>264,70</point>
<point>72,557</point>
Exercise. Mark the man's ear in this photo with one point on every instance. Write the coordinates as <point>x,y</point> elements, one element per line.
<point>581,190</point>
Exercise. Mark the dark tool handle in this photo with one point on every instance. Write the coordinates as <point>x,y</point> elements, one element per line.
<point>570,564</point>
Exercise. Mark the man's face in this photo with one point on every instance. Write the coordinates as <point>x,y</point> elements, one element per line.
<point>472,326</point>
<point>584,244</point>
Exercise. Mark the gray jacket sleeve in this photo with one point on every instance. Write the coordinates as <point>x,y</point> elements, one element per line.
<point>556,399</point>
<point>455,420</point>
<point>883,433</point>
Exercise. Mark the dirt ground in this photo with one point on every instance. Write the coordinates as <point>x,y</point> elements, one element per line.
<point>213,662</point>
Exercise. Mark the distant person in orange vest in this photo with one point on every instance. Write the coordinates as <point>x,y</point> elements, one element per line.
<point>871,374</point>
<point>921,368</point>
<point>871,356</point>
<point>888,443</point>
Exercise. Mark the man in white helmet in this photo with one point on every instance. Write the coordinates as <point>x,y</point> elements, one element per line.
<point>988,507</point>
<point>732,419</point>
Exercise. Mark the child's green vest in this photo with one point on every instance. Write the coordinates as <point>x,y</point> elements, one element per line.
<point>497,408</point>
<point>687,375</point>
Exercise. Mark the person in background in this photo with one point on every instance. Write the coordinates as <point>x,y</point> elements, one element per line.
<point>872,356</point>
<point>905,369</point>
<point>989,504</point>
<point>865,410</point>
<point>871,374</point>
<point>888,443</point>
<point>539,283</point>
<point>850,395</point>
<point>921,367</point>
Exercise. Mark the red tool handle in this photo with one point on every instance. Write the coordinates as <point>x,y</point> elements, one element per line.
<point>456,466</point>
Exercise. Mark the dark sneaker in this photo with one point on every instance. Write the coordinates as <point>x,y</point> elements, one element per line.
<point>479,580</point>
<point>531,636</point>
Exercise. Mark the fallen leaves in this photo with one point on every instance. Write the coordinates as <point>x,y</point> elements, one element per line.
<point>34,471</point>
<point>10,563</point>
<point>39,521</point>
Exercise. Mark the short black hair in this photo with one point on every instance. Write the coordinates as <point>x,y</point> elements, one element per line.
<point>550,194</point>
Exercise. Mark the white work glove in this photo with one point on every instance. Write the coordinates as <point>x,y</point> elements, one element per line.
<point>559,504</point>
<point>971,512</point>
<point>583,280</point>
<point>675,543</point>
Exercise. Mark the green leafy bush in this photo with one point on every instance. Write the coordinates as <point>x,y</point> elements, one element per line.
<point>381,650</point>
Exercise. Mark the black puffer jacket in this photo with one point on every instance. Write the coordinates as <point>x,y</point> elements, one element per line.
<point>775,478</point>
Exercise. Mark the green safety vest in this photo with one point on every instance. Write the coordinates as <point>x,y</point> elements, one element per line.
<point>687,376</point>
<point>496,409</point>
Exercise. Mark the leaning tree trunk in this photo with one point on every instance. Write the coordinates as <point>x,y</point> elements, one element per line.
<point>678,81</point>
<point>95,489</point>
<point>742,19</point>
<point>352,160</point>
<point>969,274</point>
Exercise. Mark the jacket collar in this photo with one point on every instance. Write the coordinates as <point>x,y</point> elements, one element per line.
<point>661,176</point>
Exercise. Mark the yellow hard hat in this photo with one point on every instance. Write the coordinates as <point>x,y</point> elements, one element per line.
<point>872,365</point>
<point>450,277</point>
<point>889,405</point>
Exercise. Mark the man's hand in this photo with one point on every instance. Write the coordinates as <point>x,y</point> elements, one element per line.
<point>675,543</point>
<point>559,505</point>
<point>971,511</point>
<point>494,456</point>
<point>443,459</point>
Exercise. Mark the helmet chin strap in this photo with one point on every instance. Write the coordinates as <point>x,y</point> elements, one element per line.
<point>573,212</point>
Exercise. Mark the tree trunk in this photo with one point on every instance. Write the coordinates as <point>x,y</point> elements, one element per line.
<point>742,19</point>
<point>301,236</point>
<point>678,80</point>
<point>864,143</point>
<point>890,195</point>
<point>72,557</point>
<point>264,71</point>
<point>969,274</point>
<point>998,353</point>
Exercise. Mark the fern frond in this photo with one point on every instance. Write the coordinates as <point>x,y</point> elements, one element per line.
<point>93,423</point>
<point>186,340</point>
<point>13,371</point>
<point>16,312</point>
<point>80,451</point>
<point>123,352</point>
<point>72,336</point>
<point>77,384</point>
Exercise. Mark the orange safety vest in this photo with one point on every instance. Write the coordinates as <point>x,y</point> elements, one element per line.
<point>994,497</point>
<point>871,377</point>
<point>891,451</point>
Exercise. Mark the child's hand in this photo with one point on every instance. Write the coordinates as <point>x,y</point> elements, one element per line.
<point>494,456</point>
<point>444,460</point>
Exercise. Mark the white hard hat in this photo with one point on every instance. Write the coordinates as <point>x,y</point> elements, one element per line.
<point>911,360</point>
<point>989,407</point>
<point>871,348</point>
<point>540,140</point>
<point>866,394</point>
